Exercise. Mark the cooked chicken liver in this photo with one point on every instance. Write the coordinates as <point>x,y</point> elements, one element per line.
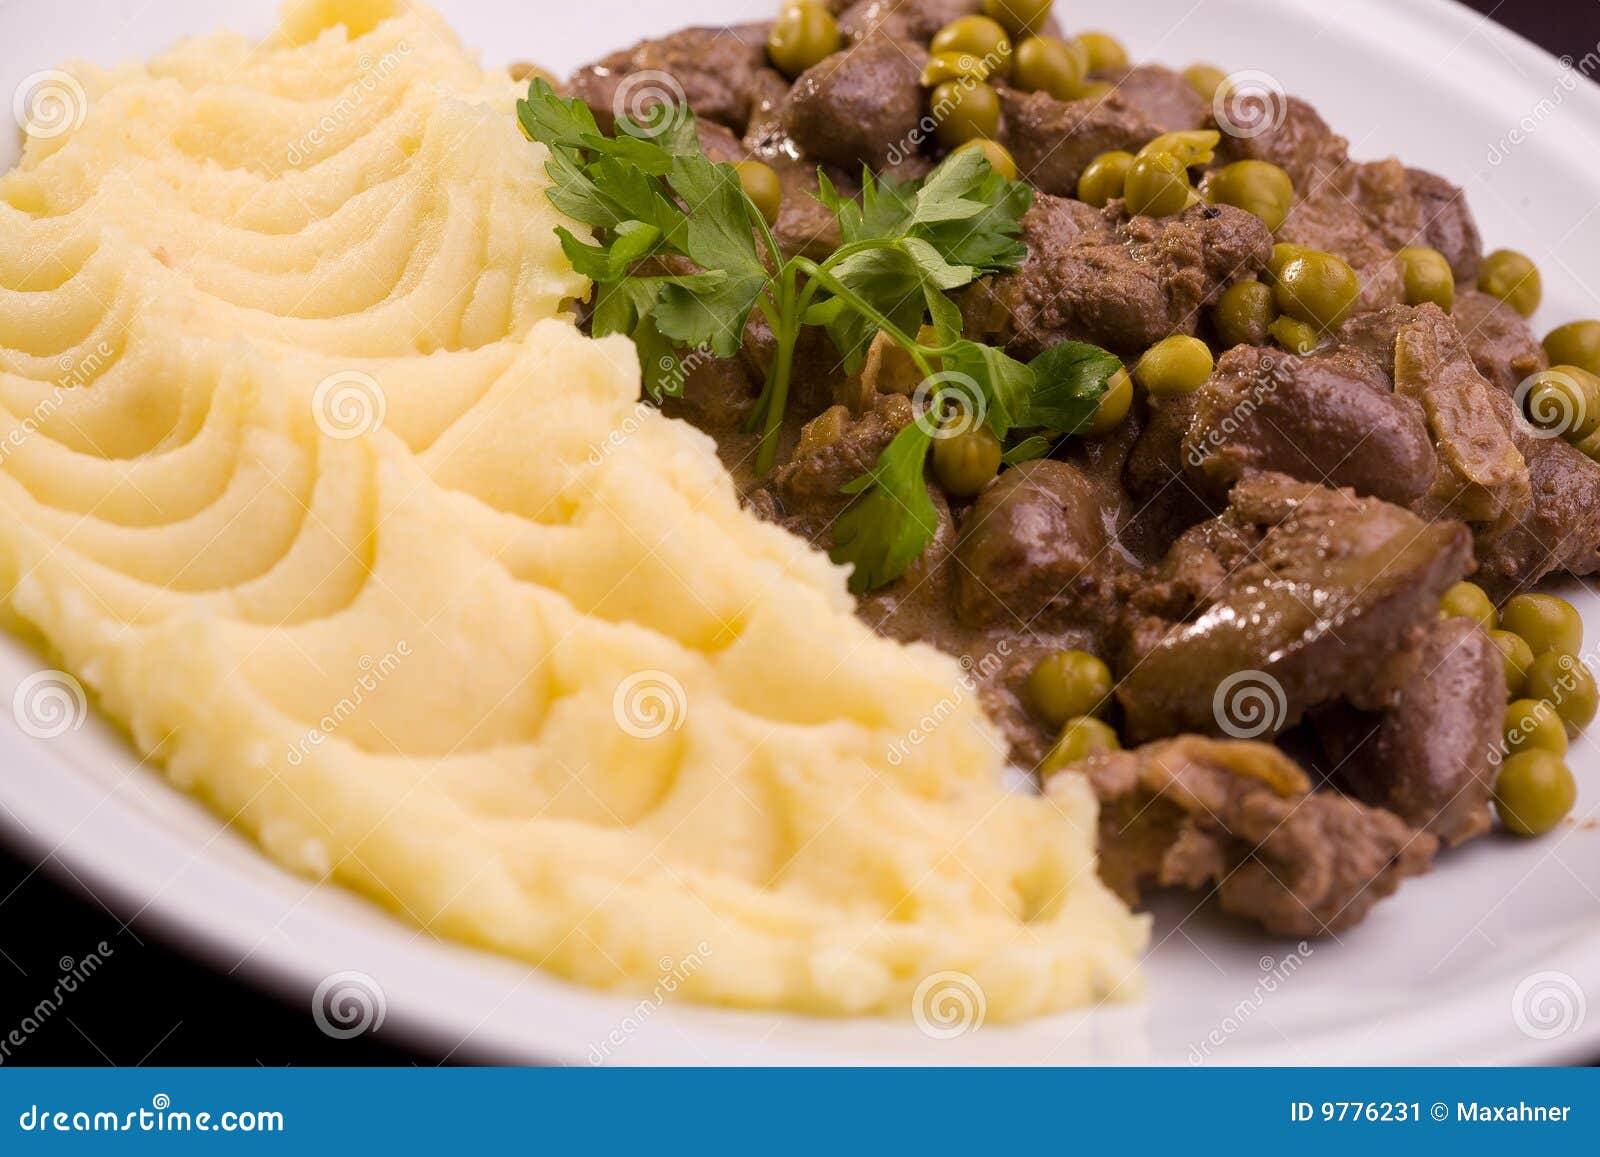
<point>1053,141</point>
<point>1296,588</point>
<point>1330,417</point>
<point>715,67</point>
<point>1121,283</point>
<point>1286,530</point>
<point>1239,818</point>
<point>1032,542</point>
<point>859,107</point>
<point>1427,757</point>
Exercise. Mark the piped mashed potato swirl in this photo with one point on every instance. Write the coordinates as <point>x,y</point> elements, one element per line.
<point>288,382</point>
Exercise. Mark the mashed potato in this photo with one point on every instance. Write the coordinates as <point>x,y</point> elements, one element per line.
<point>309,477</point>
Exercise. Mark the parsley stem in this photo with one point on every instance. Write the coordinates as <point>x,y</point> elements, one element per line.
<point>776,395</point>
<point>823,276</point>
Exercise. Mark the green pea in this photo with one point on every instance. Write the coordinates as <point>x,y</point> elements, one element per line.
<point>967,462</point>
<point>945,66</point>
<point>1513,278</point>
<point>1469,602</point>
<point>1518,657</point>
<point>998,156</point>
<point>1174,367</point>
<point>1080,739</point>
<point>1427,277</point>
<point>804,35</point>
<point>762,186</point>
<point>1545,622</point>
<point>1532,724</point>
<point>1577,343</point>
<point>978,36</point>
<point>1244,314</point>
<point>1205,79</point>
<point>1191,146</point>
<point>1257,187</point>
<point>1566,684</point>
<point>1157,186</point>
<point>1294,335</point>
<point>1114,405</point>
<point>1067,684</point>
<point>1589,444</point>
<point>1316,288</point>
<point>1534,792</point>
<point>1104,178</point>
<point>1565,399</point>
<point>1104,52</point>
<point>965,112</point>
<point>1018,17</point>
<point>1045,64</point>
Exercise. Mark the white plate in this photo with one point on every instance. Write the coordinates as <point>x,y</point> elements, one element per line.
<point>1489,959</point>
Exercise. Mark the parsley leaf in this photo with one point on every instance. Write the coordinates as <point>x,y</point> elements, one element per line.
<point>893,521</point>
<point>676,264</point>
<point>1069,380</point>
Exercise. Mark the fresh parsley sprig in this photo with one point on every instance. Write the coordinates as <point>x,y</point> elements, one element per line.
<point>681,257</point>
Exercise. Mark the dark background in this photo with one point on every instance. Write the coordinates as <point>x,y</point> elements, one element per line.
<point>148,1005</point>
